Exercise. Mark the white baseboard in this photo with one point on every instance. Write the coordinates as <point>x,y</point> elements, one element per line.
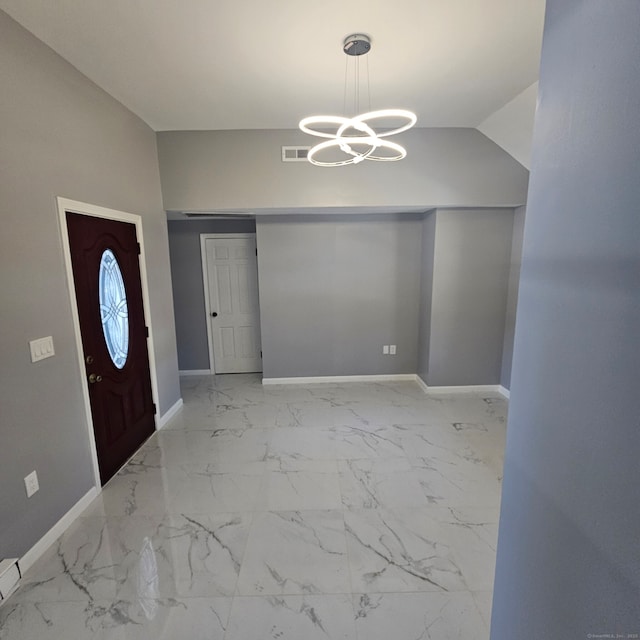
<point>56,531</point>
<point>421,383</point>
<point>166,417</point>
<point>195,372</point>
<point>472,388</point>
<point>397,377</point>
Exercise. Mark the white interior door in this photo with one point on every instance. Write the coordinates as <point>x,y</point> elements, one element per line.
<point>233,310</point>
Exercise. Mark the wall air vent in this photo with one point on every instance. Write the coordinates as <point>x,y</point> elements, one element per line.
<point>295,154</point>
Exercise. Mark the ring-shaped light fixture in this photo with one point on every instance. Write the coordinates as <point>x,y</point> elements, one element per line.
<point>344,143</point>
<point>401,152</point>
<point>323,126</point>
<point>327,121</point>
<point>364,118</point>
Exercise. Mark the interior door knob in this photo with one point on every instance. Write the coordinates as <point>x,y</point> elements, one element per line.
<point>93,378</point>
<point>214,314</point>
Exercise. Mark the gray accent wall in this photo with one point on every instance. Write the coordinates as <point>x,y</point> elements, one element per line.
<point>61,136</point>
<point>188,286</point>
<point>512,296</point>
<point>204,170</point>
<point>471,260</point>
<point>568,560</point>
<point>334,290</point>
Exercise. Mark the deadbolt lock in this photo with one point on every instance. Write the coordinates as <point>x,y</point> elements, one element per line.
<point>93,378</point>
<point>89,360</point>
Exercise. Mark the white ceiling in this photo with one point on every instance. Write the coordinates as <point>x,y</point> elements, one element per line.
<point>249,64</point>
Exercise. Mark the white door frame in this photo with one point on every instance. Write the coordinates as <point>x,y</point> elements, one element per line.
<point>205,278</point>
<point>64,205</point>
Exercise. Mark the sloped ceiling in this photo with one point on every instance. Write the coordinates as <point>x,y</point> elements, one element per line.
<point>511,127</point>
<point>249,64</point>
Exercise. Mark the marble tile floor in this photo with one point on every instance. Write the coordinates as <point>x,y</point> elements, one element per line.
<point>358,511</point>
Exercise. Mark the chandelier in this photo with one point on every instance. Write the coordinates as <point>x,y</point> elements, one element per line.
<point>355,139</point>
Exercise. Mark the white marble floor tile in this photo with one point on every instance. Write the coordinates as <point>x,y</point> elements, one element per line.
<point>236,486</point>
<point>302,444</point>
<point>292,484</point>
<point>292,618</point>
<point>424,616</point>
<point>457,482</point>
<point>46,621</point>
<point>353,443</point>
<point>403,550</point>
<point>384,414</point>
<point>283,394</point>
<point>357,510</point>
<point>388,482</point>
<point>295,552</point>
<point>163,619</point>
<point>484,600</point>
<point>474,407</point>
<point>430,439</point>
<point>261,416</point>
<point>244,413</point>
<point>319,413</point>
<point>188,555</point>
<point>78,567</point>
<point>216,446</point>
<point>489,448</point>
<point>473,535</point>
<point>171,490</point>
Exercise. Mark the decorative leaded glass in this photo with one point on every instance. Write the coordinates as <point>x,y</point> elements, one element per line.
<point>114,312</point>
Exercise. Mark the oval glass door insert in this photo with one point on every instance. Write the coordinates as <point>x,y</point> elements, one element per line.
<point>114,312</point>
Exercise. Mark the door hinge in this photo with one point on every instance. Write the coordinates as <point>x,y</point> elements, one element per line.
<point>256,250</point>
<point>146,331</point>
<point>139,249</point>
<point>155,410</point>
<point>261,354</point>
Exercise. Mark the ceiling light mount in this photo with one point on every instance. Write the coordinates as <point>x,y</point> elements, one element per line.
<point>356,44</point>
<point>354,139</point>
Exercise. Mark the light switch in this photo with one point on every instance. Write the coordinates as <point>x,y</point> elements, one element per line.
<point>41,348</point>
<point>392,349</point>
<point>385,350</point>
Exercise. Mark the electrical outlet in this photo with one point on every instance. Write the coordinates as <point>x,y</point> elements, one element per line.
<point>385,350</point>
<point>31,484</point>
<point>392,349</point>
<point>9,577</point>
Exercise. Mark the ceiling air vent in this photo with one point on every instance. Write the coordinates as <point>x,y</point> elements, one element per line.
<point>295,154</point>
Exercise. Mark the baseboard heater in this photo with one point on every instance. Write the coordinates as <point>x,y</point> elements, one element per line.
<point>9,577</point>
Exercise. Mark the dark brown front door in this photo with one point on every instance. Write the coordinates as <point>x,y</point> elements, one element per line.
<point>106,273</point>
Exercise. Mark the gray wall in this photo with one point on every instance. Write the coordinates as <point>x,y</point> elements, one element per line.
<point>512,296</point>
<point>188,287</point>
<point>243,169</point>
<point>334,290</point>
<point>568,561</point>
<point>426,293</point>
<point>470,277</point>
<point>60,136</point>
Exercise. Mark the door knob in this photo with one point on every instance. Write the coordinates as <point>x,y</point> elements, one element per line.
<point>93,378</point>
<point>214,314</point>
